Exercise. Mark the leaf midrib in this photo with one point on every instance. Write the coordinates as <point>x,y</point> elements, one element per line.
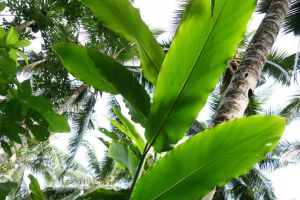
<point>188,77</point>
<point>207,163</point>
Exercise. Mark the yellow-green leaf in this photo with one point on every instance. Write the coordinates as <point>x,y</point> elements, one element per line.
<point>210,159</point>
<point>195,62</point>
<point>124,19</point>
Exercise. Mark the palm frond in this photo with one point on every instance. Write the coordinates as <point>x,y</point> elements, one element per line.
<point>53,193</point>
<point>296,70</point>
<point>178,14</point>
<point>93,163</point>
<point>82,124</point>
<point>292,155</point>
<point>254,106</point>
<point>263,6</point>
<point>196,127</point>
<point>220,193</point>
<point>292,110</point>
<point>269,163</point>
<point>107,167</point>
<point>274,159</point>
<point>239,190</point>
<point>214,101</point>
<point>279,66</point>
<point>262,187</point>
<point>75,178</point>
<point>292,21</point>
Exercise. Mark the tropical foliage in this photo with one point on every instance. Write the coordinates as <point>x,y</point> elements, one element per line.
<point>163,89</point>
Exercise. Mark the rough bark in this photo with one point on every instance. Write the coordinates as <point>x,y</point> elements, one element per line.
<point>244,81</point>
<point>63,108</point>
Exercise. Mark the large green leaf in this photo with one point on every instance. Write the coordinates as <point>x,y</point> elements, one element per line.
<point>105,194</point>
<point>123,154</point>
<point>104,74</point>
<point>130,130</point>
<point>196,60</point>
<point>210,158</point>
<point>122,18</point>
<point>35,190</point>
<point>6,188</point>
<point>12,36</point>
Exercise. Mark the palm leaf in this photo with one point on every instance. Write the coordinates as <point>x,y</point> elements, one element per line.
<point>292,154</point>
<point>185,69</point>
<point>94,164</point>
<point>292,21</point>
<point>292,110</point>
<point>121,17</point>
<point>234,147</point>
<point>53,193</point>
<point>76,140</point>
<point>279,66</point>
<point>259,185</point>
<point>107,166</point>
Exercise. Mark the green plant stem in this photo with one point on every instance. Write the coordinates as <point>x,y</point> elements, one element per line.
<point>140,167</point>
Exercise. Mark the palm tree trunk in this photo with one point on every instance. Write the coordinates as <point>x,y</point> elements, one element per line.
<point>63,108</point>
<point>244,81</point>
<point>21,27</point>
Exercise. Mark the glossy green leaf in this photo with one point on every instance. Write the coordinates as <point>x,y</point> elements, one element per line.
<point>124,19</point>
<point>210,158</point>
<point>195,62</point>
<point>130,130</point>
<point>35,190</point>
<point>104,74</point>
<point>22,55</point>
<point>105,194</point>
<point>6,188</point>
<point>12,36</point>
<point>22,44</point>
<point>109,134</point>
<point>118,125</point>
<point>104,142</point>
<point>124,155</point>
